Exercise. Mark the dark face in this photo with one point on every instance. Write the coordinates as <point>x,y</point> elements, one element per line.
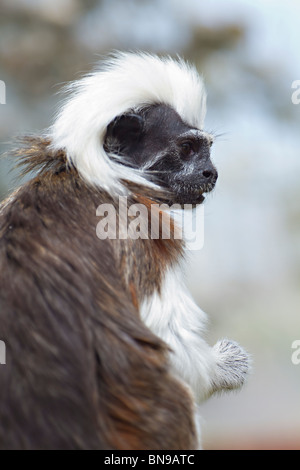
<point>168,151</point>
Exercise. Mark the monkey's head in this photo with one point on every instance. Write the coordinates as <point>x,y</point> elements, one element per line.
<point>139,119</point>
<point>168,151</point>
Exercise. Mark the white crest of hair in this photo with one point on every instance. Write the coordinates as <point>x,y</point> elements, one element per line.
<point>125,82</point>
<point>173,315</point>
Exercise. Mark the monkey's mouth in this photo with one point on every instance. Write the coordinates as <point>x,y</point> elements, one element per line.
<point>195,194</point>
<point>183,193</point>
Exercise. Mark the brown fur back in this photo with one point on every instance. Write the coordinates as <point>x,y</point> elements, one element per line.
<point>83,371</point>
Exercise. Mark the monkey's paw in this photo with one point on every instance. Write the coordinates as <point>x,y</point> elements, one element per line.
<point>232,365</point>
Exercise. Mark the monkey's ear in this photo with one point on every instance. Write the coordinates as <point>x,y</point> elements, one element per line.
<point>125,130</point>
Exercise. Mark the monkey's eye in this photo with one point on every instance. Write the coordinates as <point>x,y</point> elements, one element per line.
<point>186,148</point>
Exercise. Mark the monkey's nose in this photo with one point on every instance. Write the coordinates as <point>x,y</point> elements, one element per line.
<point>211,175</point>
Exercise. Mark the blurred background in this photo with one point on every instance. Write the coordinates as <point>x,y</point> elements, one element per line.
<point>247,276</point>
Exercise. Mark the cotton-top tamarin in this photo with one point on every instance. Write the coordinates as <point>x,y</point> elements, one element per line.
<point>104,345</point>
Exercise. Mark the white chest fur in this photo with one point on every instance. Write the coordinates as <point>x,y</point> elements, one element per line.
<point>175,318</point>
